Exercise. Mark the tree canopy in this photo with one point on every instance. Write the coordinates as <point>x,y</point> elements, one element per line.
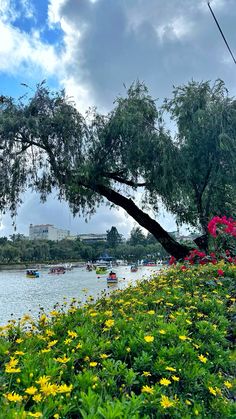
<point>113,237</point>
<point>46,143</point>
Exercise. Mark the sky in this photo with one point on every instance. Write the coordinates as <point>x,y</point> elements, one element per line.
<point>92,48</point>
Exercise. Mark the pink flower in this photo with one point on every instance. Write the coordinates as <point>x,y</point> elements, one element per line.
<point>172,260</point>
<point>220,272</point>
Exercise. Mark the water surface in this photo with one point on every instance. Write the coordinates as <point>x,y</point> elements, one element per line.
<point>20,295</point>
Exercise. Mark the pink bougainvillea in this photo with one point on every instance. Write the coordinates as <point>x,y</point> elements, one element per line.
<point>220,225</point>
<point>217,227</point>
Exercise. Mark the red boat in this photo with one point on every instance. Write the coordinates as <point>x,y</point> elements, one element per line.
<point>57,270</point>
<point>112,278</point>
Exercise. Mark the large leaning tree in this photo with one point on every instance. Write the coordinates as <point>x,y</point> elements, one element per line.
<point>45,143</point>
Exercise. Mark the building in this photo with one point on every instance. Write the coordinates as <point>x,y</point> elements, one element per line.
<point>93,238</point>
<point>47,232</point>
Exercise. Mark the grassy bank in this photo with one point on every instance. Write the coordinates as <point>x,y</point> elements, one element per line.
<point>164,348</point>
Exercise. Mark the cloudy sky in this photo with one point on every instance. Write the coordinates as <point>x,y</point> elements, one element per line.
<point>93,47</point>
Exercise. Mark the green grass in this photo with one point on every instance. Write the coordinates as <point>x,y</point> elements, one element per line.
<point>162,349</point>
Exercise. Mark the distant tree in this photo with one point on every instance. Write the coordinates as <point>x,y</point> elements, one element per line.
<point>10,253</point>
<point>17,237</point>
<point>113,237</point>
<point>151,239</point>
<point>136,237</point>
<point>3,240</point>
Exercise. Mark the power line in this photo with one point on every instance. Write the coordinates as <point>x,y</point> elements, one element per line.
<point>218,25</point>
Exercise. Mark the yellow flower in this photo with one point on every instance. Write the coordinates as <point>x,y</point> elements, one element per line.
<point>67,341</point>
<point>151,312</point>
<point>108,313</point>
<point>212,391</point>
<point>43,380</point>
<point>49,332</point>
<point>13,397</point>
<point>19,340</point>
<point>45,350</point>
<point>93,314</point>
<point>62,360</point>
<point>43,318</point>
<point>56,416</point>
<point>162,332</point>
<point>165,382</point>
<point>149,338</point>
<point>52,343</point>
<point>147,389</point>
<point>64,388</point>
<point>202,358</point>
<point>228,384</point>
<point>35,415</point>
<point>166,402</point>
<point>79,346</point>
<point>188,403</point>
<point>12,370</point>
<point>146,374</point>
<point>19,353</point>
<point>49,389</point>
<point>183,337</point>
<point>104,356</point>
<point>54,313</point>
<point>72,334</point>
<point>31,390</point>
<point>37,398</point>
<point>93,364</point>
<point>13,362</point>
<point>170,369</point>
<point>174,378</point>
<point>109,323</point>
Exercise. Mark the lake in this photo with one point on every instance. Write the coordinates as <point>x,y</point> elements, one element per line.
<point>20,295</point>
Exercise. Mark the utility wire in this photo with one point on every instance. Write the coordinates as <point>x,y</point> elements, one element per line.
<point>226,43</point>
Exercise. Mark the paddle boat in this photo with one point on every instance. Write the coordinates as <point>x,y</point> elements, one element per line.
<point>133,268</point>
<point>57,270</point>
<point>101,270</point>
<point>32,273</point>
<point>112,278</point>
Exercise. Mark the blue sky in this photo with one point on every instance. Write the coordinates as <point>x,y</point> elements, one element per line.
<point>91,48</point>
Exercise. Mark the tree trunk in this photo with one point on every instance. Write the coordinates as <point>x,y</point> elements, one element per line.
<point>174,248</point>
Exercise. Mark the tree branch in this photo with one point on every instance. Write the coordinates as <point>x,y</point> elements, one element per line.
<point>169,243</point>
<point>124,181</point>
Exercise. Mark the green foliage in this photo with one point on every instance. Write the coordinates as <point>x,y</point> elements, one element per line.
<point>205,152</point>
<point>163,348</point>
<point>113,237</point>
<point>46,143</point>
<point>24,250</point>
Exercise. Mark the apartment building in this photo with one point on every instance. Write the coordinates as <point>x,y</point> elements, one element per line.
<point>47,232</point>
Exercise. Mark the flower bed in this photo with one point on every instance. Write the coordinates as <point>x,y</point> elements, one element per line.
<point>164,348</point>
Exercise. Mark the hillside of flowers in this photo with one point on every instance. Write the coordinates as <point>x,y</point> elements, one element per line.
<point>164,348</point>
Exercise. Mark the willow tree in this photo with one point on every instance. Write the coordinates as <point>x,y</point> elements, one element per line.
<point>46,144</point>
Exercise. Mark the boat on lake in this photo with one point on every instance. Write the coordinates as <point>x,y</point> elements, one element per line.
<point>134,268</point>
<point>32,273</point>
<point>112,278</point>
<point>101,270</point>
<point>57,270</point>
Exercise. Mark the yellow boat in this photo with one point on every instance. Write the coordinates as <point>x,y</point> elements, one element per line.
<point>101,270</point>
<point>32,273</point>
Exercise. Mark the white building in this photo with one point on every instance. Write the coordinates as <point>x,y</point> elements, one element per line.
<point>92,238</point>
<point>47,232</point>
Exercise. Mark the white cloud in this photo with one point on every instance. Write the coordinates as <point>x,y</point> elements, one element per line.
<point>22,52</point>
<point>177,28</point>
